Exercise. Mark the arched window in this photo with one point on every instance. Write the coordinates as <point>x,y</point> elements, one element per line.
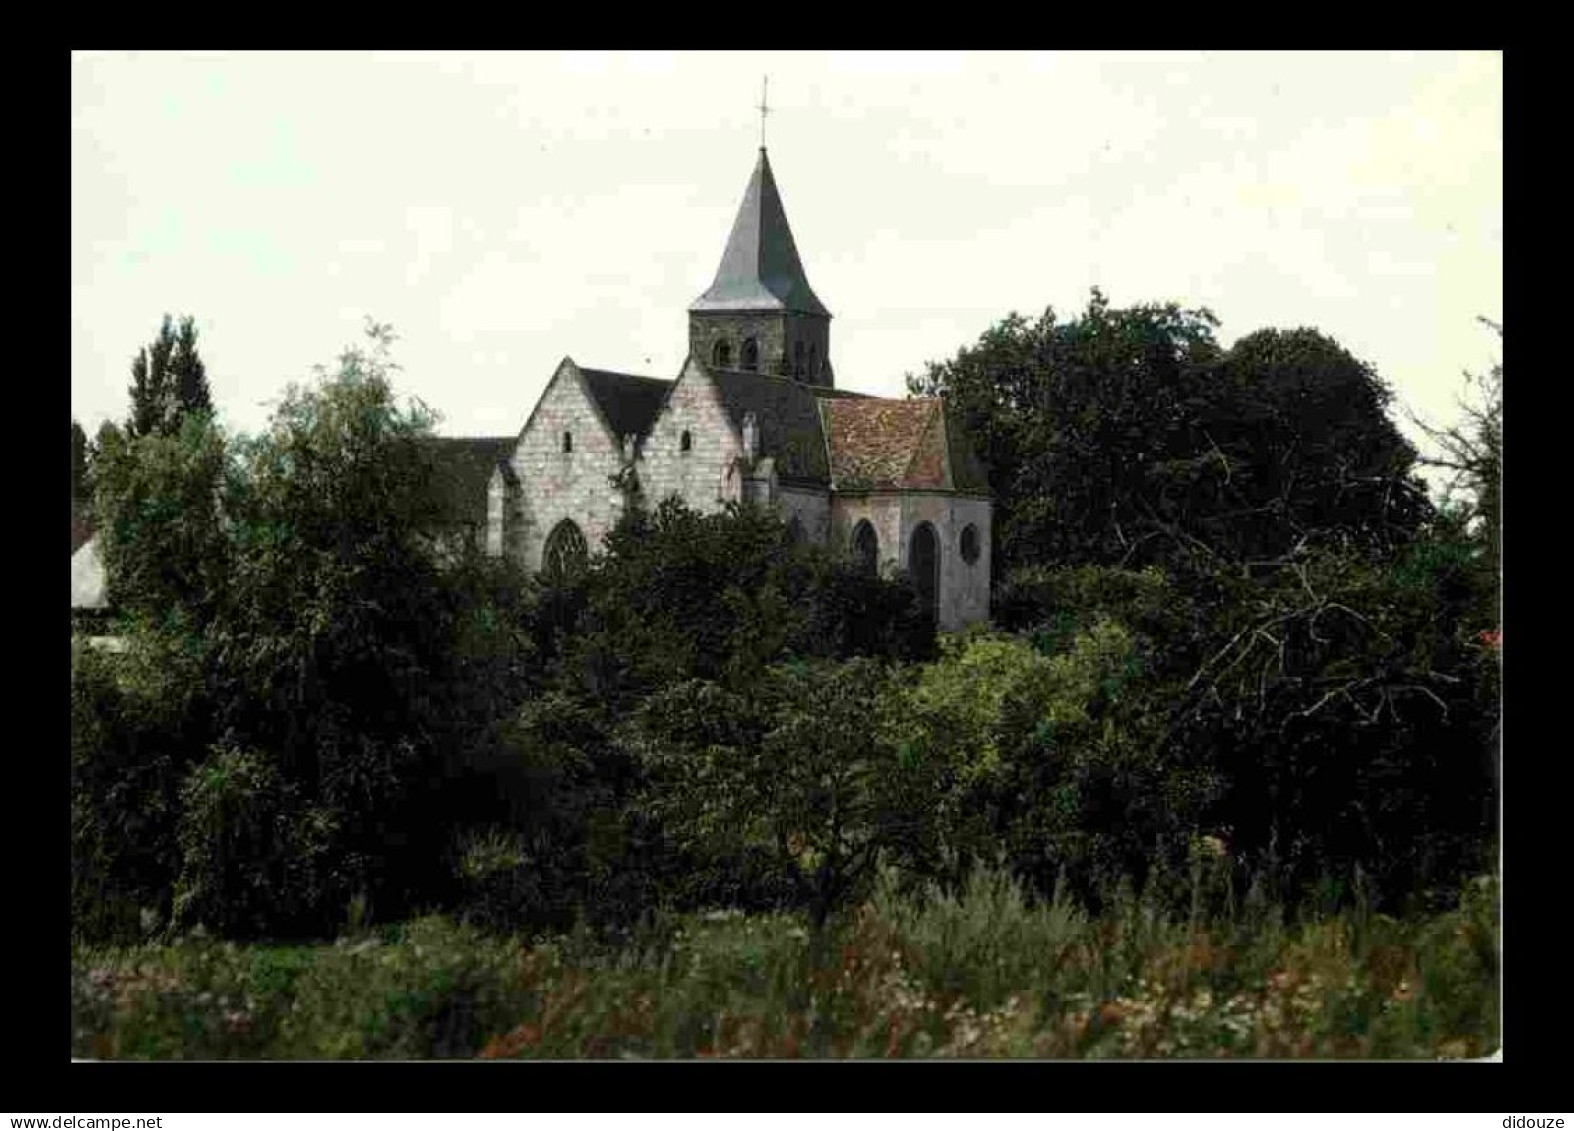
<point>969,544</point>
<point>797,360</point>
<point>795,532</point>
<point>751,354</point>
<point>814,362</point>
<point>866,548</point>
<point>568,441</point>
<point>686,441</point>
<point>923,563</point>
<point>565,551</point>
<point>722,355</point>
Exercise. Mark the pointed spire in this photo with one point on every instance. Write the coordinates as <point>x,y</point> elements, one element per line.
<point>760,269</point>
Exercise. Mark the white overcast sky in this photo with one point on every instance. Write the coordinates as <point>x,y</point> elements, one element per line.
<point>505,210</point>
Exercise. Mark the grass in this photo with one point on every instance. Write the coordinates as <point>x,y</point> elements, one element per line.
<point>980,974</point>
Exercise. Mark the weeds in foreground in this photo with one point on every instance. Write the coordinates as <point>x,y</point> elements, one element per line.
<point>982,973</point>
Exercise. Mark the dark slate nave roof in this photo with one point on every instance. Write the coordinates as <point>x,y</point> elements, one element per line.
<point>628,402</point>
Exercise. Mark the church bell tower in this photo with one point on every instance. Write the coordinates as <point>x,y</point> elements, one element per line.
<point>760,313</point>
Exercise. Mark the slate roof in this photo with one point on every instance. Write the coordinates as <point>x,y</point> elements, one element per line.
<point>461,470</point>
<point>788,419</point>
<point>629,402</point>
<point>760,268</point>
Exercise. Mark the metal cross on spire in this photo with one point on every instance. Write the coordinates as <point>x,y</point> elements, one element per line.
<point>763,108</point>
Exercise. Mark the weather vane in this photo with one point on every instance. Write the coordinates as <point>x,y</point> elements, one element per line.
<point>764,109</point>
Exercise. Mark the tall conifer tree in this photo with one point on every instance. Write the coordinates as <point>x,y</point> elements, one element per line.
<point>168,380</point>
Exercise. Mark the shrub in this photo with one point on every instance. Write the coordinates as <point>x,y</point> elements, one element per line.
<point>254,860</point>
<point>803,771</point>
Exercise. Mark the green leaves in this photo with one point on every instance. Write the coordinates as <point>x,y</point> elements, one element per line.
<point>168,381</point>
<point>1128,436</point>
<point>291,581</point>
<point>807,767</point>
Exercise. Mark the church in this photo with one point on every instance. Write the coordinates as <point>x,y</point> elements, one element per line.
<point>754,415</point>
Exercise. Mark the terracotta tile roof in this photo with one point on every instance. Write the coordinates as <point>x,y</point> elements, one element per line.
<point>887,443</point>
<point>877,442</point>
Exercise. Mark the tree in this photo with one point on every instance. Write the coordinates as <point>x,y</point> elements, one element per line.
<point>1349,708</point>
<point>679,594</point>
<point>1471,453</point>
<point>81,489</point>
<point>803,768</point>
<point>1075,417</point>
<point>1129,437</point>
<point>161,522</point>
<point>1305,452</point>
<point>333,666</point>
<point>168,380</point>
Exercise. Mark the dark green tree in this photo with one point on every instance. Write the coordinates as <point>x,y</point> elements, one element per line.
<point>333,666</point>
<point>161,522</point>
<point>168,380</point>
<point>81,489</point>
<point>679,594</point>
<point>804,770</point>
<point>1471,455</point>
<point>1129,436</point>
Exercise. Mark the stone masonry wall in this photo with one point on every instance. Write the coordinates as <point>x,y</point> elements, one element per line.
<point>778,335</point>
<point>812,509</point>
<point>964,588</point>
<point>884,513</point>
<point>556,484</point>
<point>697,476</point>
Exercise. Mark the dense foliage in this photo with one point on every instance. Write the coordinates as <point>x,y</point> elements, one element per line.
<point>1129,437</point>
<point>168,380</point>
<point>300,669</point>
<point>81,488</point>
<point>1471,455</point>
<point>1232,639</point>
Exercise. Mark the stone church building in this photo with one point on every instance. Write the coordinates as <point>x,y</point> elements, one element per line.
<point>754,415</point>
